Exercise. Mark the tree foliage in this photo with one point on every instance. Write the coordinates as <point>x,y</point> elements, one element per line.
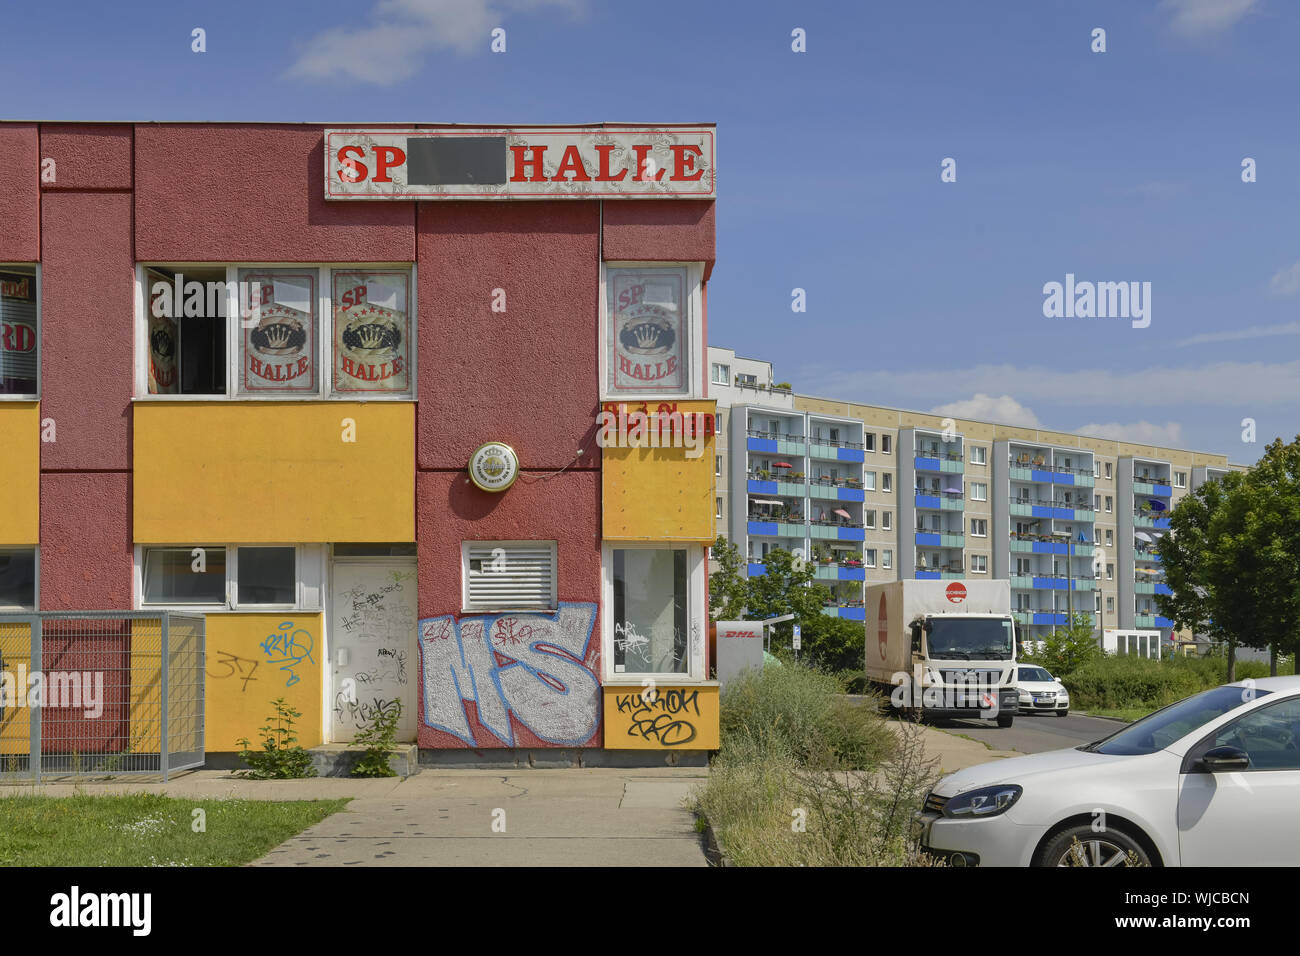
<point>1232,557</point>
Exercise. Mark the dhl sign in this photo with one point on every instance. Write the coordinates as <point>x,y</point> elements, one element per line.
<point>588,162</point>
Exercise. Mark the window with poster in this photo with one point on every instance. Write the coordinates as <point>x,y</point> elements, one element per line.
<point>303,331</point>
<point>657,625</point>
<point>20,338</point>
<point>650,342</point>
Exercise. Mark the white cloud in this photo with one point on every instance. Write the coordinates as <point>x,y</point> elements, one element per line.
<point>1144,433</point>
<point>1235,335</point>
<point>403,32</point>
<point>1206,16</point>
<point>1286,281</point>
<point>1002,410</point>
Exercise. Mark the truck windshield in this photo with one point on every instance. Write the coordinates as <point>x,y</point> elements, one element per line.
<point>970,639</point>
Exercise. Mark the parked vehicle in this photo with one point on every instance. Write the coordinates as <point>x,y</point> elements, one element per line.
<point>1212,780</point>
<point>1040,692</point>
<point>944,648</point>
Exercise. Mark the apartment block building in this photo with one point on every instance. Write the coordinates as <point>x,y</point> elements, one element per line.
<point>1073,521</point>
<point>339,399</point>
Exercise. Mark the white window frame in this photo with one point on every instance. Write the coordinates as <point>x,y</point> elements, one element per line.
<point>1110,572</point>
<point>886,521</point>
<point>35,397</point>
<point>504,609</point>
<point>234,339</point>
<point>696,615</point>
<point>1110,538</point>
<point>714,368</point>
<point>886,444</point>
<point>1180,479</point>
<point>868,481</point>
<point>978,455</point>
<point>979,523</point>
<point>1108,471</point>
<point>718,502</point>
<point>979,491</point>
<point>868,557</point>
<point>1110,504</point>
<point>36,583</point>
<point>979,564</point>
<point>886,558</point>
<point>694,298</point>
<point>308,571</point>
<point>717,466</point>
<point>869,519</point>
<point>886,481</point>
<point>869,442</point>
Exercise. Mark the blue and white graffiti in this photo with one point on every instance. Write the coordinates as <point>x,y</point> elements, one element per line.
<point>534,671</point>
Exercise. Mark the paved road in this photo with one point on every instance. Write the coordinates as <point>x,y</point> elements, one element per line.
<point>1036,733</point>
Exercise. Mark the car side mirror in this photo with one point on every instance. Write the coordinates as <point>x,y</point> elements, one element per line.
<point>1222,759</point>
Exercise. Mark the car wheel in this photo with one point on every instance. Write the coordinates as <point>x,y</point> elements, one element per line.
<point>1005,721</point>
<point>1081,846</point>
<point>1062,713</point>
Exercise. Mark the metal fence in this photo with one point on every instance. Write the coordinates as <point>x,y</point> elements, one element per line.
<point>102,693</point>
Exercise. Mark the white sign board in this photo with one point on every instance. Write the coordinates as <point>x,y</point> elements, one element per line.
<point>580,162</point>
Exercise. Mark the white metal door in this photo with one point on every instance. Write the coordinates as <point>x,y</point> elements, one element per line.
<point>373,659</point>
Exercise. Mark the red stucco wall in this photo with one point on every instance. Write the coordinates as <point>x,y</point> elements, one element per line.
<point>88,156</point>
<point>527,376</point>
<point>86,550</point>
<point>87,343</point>
<point>242,193</point>
<point>20,228</point>
<point>680,231</point>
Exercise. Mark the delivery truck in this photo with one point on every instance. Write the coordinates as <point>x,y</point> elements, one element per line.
<point>944,648</point>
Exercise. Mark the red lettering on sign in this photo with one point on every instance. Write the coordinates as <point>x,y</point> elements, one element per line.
<point>386,156</point>
<point>538,174</point>
<point>352,171</point>
<point>684,163</point>
<point>572,162</point>
<point>603,175</point>
<point>642,154</point>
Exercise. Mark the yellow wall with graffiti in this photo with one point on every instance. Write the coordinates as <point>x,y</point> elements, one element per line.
<point>660,494</point>
<point>675,717</point>
<point>20,473</point>
<point>272,472</point>
<point>251,660</point>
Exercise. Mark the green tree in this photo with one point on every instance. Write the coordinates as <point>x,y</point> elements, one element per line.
<point>1232,556</point>
<point>787,588</point>
<point>1068,648</point>
<point>728,587</point>
<point>833,644</point>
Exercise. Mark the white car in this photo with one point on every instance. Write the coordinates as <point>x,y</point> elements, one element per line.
<point>1040,692</point>
<point>1213,780</point>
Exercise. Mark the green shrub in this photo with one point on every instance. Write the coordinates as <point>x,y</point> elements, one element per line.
<point>281,757</point>
<point>379,739</point>
<point>1124,681</point>
<point>802,713</point>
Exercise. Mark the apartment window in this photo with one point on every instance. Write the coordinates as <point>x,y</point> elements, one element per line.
<point>869,557</point>
<point>1110,605</point>
<point>887,520</point>
<point>885,442</point>
<point>979,563</point>
<point>1022,566</point>
<point>1096,502</point>
<point>20,334</point>
<point>1108,471</point>
<point>978,454</point>
<point>979,527</point>
<point>184,575</point>
<point>721,374</point>
<point>1180,479</point>
<point>869,441</point>
<point>18,579</point>
<point>979,491</point>
<point>722,420</point>
<point>1110,504</point>
<point>886,481</point>
<point>869,480</point>
<point>887,558</point>
<point>717,465</point>
<point>654,593</point>
<point>869,518</point>
<point>1097,595</point>
<point>1110,572</point>
<point>1110,537</point>
<point>835,435</point>
<point>303,331</point>
<point>648,331</point>
<point>750,380</point>
<point>266,576</point>
<point>508,575</point>
<point>718,507</point>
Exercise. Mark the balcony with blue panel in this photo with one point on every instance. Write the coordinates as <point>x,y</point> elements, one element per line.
<point>1051,583</point>
<point>1036,474</point>
<point>761,444</point>
<point>1048,617</point>
<point>1062,514</point>
<point>853,613</point>
<point>853,574</point>
<point>926,540</point>
<point>850,494</point>
<point>763,527</point>
<point>756,570</point>
<point>850,454</point>
<point>929,575</point>
<point>932,502</point>
<point>845,533</point>
<point>760,487</point>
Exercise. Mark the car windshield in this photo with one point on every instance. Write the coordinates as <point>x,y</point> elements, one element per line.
<point>1157,731</point>
<point>1034,674</point>
<point>970,639</point>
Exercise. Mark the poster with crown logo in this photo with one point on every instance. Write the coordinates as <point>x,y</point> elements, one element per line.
<point>279,332</point>
<point>372,332</point>
<point>648,332</point>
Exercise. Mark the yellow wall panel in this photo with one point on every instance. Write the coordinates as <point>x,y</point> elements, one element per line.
<point>251,660</point>
<point>660,494</point>
<point>675,717</point>
<point>15,662</point>
<point>20,473</point>
<point>271,472</point>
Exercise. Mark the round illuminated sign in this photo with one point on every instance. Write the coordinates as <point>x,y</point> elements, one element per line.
<point>494,466</point>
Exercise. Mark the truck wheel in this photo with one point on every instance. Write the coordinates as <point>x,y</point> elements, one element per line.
<point>1004,721</point>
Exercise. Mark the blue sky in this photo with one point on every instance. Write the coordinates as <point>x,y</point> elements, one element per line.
<point>1115,166</point>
